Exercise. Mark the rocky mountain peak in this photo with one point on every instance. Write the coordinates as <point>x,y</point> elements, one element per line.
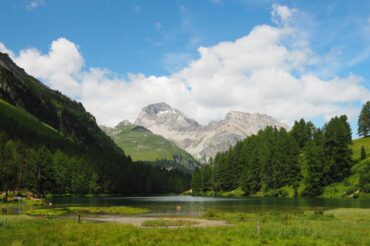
<point>156,108</point>
<point>161,114</point>
<point>202,142</point>
<point>124,123</point>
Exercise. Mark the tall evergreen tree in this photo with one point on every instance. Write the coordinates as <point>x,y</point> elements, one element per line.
<point>196,182</point>
<point>364,120</point>
<point>313,162</point>
<point>337,140</point>
<point>206,174</point>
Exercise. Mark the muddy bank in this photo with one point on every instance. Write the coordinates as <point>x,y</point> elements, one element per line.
<point>138,221</point>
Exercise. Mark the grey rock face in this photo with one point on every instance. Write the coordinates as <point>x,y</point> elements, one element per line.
<point>202,142</point>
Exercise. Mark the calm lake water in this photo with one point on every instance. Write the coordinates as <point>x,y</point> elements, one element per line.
<point>167,205</point>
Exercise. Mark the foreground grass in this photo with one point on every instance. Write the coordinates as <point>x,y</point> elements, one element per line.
<point>121,210</point>
<point>334,227</point>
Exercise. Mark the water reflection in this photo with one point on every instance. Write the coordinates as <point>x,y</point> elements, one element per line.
<point>190,205</point>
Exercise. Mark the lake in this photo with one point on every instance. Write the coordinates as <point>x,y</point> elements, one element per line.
<point>191,205</point>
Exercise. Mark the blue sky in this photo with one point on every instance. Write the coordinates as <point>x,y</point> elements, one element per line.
<point>161,38</point>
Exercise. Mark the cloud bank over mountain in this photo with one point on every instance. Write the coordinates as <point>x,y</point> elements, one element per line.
<point>271,70</point>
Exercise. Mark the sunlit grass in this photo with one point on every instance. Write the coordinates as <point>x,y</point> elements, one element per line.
<point>121,210</point>
<point>314,227</point>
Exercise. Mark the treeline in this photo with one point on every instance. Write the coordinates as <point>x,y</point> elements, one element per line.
<point>307,159</point>
<point>42,170</point>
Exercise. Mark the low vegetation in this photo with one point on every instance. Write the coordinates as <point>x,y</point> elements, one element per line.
<point>47,212</point>
<point>117,210</point>
<point>122,210</point>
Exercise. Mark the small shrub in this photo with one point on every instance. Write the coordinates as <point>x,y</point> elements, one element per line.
<point>319,212</point>
<point>211,213</point>
<point>277,193</point>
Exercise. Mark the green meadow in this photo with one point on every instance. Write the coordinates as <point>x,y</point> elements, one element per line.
<point>311,227</point>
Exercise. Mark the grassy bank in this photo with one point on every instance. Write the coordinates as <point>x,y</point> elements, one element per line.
<point>333,227</point>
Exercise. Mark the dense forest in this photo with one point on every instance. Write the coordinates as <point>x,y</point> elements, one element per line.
<point>306,158</point>
<point>41,170</point>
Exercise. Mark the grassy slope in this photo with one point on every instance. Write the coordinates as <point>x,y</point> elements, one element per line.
<point>347,188</point>
<point>27,121</point>
<point>357,144</point>
<point>53,108</point>
<point>142,144</point>
<point>335,227</point>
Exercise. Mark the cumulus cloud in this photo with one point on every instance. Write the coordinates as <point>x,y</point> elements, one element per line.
<point>281,14</point>
<point>4,49</point>
<point>260,72</point>
<point>60,68</point>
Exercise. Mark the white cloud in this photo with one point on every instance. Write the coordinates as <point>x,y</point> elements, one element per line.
<point>33,4</point>
<point>281,14</point>
<point>6,50</point>
<point>60,68</point>
<point>260,72</point>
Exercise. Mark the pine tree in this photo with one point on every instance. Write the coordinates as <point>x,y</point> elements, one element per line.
<point>337,140</point>
<point>196,182</point>
<point>364,120</point>
<point>206,174</point>
<point>363,154</point>
<point>313,158</point>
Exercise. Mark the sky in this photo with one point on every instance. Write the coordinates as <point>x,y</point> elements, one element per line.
<point>287,59</point>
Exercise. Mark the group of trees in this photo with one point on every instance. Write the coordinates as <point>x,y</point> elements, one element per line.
<point>42,170</point>
<point>274,158</point>
<point>37,169</point>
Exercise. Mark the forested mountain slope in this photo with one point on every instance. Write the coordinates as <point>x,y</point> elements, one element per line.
<point>41,130</point>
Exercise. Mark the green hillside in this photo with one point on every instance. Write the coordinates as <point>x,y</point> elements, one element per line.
<point>141,144</point>
<point>351,186</point>
<point>26,121</point>
<point>357,144</point>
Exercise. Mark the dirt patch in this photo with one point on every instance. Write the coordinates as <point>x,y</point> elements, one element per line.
<point>138,221</point>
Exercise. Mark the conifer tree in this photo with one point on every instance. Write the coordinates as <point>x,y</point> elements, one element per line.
<point>364,120</point>
<point>313,159</point>
<point>337,140</point>
<point>196,182</point>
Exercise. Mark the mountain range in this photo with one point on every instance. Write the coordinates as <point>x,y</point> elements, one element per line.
<point>202,142</point>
